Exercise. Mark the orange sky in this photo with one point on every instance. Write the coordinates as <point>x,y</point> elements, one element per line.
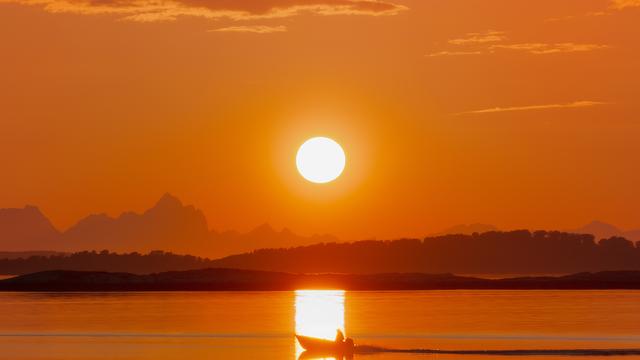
<point>520,115</point>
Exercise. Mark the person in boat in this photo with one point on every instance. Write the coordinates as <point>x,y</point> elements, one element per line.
<point>348,342</point>
<point>341,347</point>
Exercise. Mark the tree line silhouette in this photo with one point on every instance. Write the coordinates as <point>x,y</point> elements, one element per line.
<point>155,261</point>
<point>494,252</point>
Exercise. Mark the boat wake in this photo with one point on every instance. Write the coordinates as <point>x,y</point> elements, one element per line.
<point>365,349</point>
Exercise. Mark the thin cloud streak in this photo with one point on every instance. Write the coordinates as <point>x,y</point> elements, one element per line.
<point>622,4</point>
<point>575,104</point>
<point>571,17</point>
<point>454,53</point>
<point>492,41</point>
<point>170,10</point>
<point>256,29</point>
<point>614,6</point>
<point>489,36</point>
<point>543,48</point>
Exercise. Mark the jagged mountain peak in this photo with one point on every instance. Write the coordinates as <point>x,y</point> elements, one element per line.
<point>168,201</point>
<point>601,225</point>
<point>264,229</point>
<point>599,229</point>
<point>26,229</point>
<point>168,225</point>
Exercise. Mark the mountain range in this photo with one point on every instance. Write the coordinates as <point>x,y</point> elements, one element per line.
<point>172,226</point>
<point>169,225</point>
<point>602,230</point>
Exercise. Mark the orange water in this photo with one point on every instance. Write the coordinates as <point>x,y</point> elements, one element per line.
<point>260,325</point>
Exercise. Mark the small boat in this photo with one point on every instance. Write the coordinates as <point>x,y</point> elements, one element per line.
<point>316,345</point>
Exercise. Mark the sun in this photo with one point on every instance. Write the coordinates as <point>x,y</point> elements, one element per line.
<point>320,160</point>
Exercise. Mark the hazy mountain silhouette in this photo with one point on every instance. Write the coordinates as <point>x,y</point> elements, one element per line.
<point>602,230</point>
<point>632,235</point>
<point>261,237</point>
<point>169,225</point>
<point>27,229</point>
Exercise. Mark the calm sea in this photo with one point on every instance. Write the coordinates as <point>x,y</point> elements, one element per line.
<point>260,325</point>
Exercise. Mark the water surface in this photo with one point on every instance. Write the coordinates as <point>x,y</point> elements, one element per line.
<point>260,325</point>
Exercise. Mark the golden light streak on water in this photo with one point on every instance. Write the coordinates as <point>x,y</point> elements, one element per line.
<point>319,313</point>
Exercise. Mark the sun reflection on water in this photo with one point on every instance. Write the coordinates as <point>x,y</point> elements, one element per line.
<point>319,313</point>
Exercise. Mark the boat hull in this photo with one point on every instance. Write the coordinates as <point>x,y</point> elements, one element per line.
<point>316,345</point>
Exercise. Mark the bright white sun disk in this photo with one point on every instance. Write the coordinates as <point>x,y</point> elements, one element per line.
<point>320,160</point>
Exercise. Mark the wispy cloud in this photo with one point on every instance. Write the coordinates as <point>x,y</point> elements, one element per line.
<point>454,53</point>
<point>492,41</point>
<point>256,29</point>
<point>489,36</point>
<point>169,10</point>
<point>544,48</point>
<point>571,17</point>
<point>614,7</point>
<point>622,4</point>
<point>575,104</point>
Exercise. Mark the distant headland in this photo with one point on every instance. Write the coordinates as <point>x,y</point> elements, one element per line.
<point>494,252</point>
<point>247,280</point>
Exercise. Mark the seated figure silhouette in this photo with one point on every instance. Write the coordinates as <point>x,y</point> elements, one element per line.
<point>349,343</point>
<point>339,336</point>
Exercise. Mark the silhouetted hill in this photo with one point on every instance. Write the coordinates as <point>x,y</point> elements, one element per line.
<point>514,252</point>
<point>633,235</point>
<point>264,236</point>
<point>231,279</point>
<point>602,230</point>
<point>168,225</point>
<point>599,229</point>
<point>27,229</point>
<point>171,226</point>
